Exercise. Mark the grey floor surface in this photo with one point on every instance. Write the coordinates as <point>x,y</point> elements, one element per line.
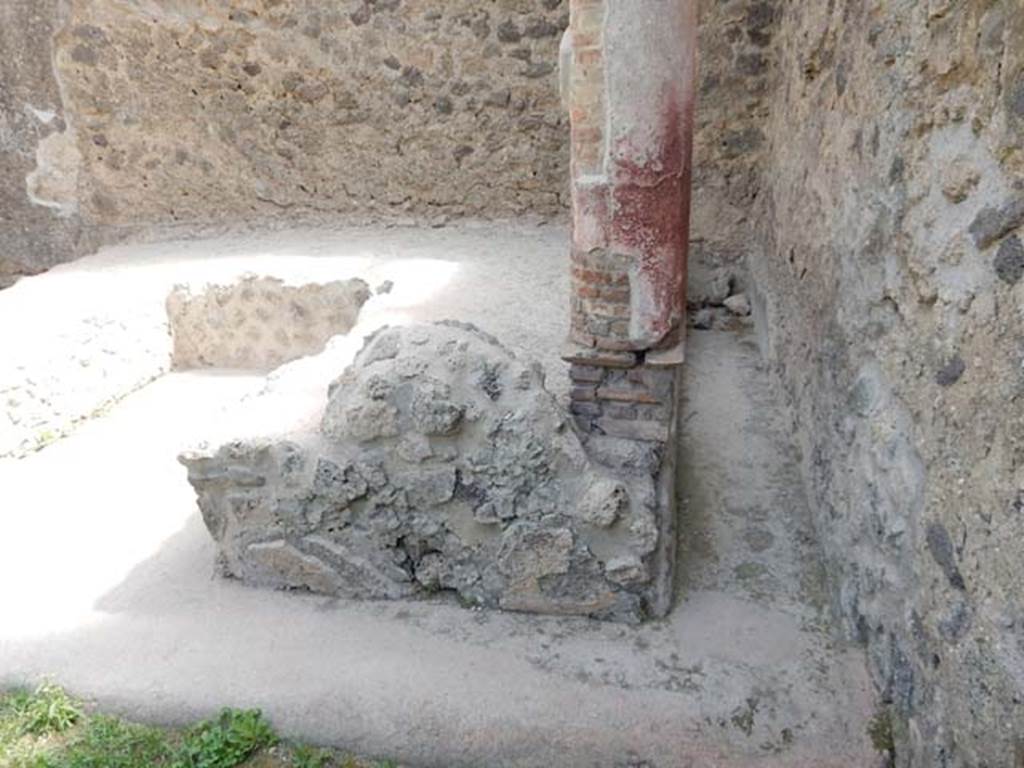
<point>106,586</point>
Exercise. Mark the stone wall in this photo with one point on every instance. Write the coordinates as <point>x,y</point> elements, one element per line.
<point>122,117</point>
<point>35,233</point>
<point>209,110</point>
<point>737,52</point>
<point>889,294</point>
<point>413,109</point>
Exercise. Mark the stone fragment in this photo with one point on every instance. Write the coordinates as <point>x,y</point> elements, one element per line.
<point>951,372</point>
<point>530,552</point>
<point>738,305</point>
<point>279,564</point>
<point>993,223</point>
<point>362,419</point>
<point>583,394</point>
<point>509,32</point>
<point>383,345</point>
<point>414,448</point>
<point>626,570</point>
<point>604,503</point>
<point>960,180</point>
<point>1009,261</point>
<point>940,545</point>
<point>956,623</point>
<point>703,319</point>
<point>432,412</point>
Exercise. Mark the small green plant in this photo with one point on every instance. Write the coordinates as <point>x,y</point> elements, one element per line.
<point>108,742</point>
<point>310,757</point>
<point>46,728</point>
<point>49,710</point>
<point>226,741</point>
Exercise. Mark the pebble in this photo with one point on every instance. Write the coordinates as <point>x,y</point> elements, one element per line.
<point>738,304</point>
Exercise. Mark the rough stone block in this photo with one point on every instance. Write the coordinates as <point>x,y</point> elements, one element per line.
<point>441,463</point>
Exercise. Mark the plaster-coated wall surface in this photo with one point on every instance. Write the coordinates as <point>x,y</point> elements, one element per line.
<point>37,230</point>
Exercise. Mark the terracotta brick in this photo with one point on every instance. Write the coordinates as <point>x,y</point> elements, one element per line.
<point>600,277</point>
<point>584,424</point>
<point>615,295</point>
<point>627,395</point>
<point>659,381</point>
<point>586,373</point>
<point>602,358</point>
<point>584,409</point>
<point>597,326</point>
<point>633,430</point>
<point>662,412</point>
<point>608,310</point>
<point>620,411</point>
<point>583,394</point>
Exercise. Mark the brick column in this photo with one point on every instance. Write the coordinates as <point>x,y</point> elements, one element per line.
<point>631,94</point>
<point>631,89</point>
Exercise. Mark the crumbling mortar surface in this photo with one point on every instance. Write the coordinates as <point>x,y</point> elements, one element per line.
<point>443,465</point>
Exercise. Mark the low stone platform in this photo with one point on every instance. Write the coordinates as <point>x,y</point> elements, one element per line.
<point>106,564</point>
<point>439,461</point>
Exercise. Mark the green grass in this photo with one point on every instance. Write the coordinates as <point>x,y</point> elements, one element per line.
<point>108,742</point>
<point>46,728</point>
<point>310,757</point>
<point>47,710</point>
<point>228,741</point>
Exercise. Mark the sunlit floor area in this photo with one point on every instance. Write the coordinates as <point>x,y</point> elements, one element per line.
<point>87,333</point>
<point>109,571</point>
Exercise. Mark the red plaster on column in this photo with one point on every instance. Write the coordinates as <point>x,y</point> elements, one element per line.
<point>631,110</point>
<point>650,220</point>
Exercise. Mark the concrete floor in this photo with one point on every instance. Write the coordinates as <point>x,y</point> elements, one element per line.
<point>106,586</point>
<point>88,332</point>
